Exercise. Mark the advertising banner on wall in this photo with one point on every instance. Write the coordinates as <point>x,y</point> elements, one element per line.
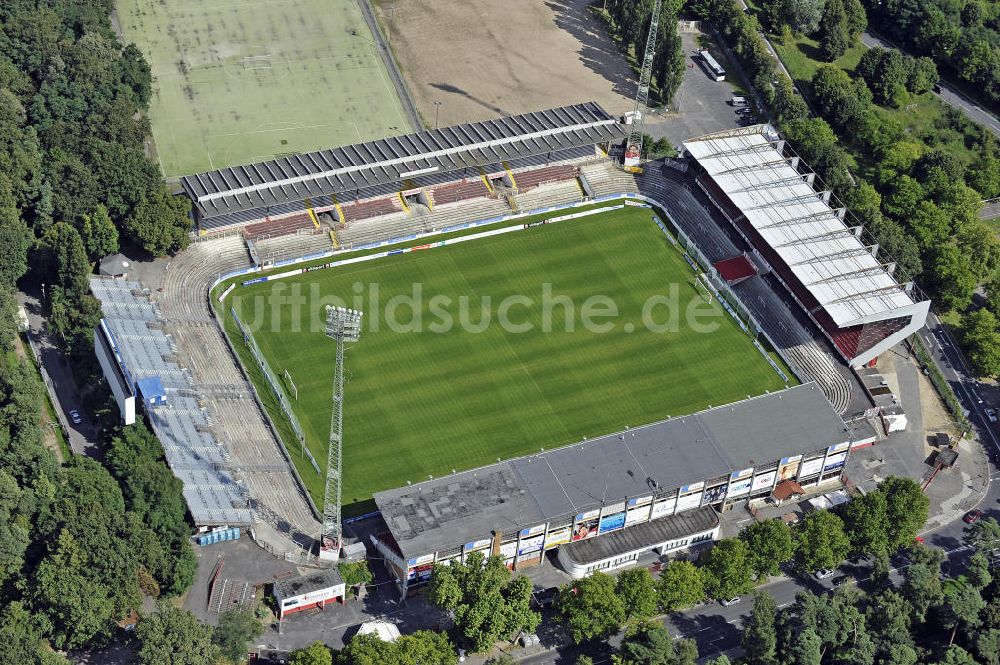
<point>788,467</point>
<point>762,481</point>
<point>612,522</point>
<point>557,537</point>
<point>638,501</point>
<point>420,560</point>
<point>834,461</point>
<point>840,447</point>
<point>508,550</point>
<point>738,488</point>
<point>714,495</point>
<point>529,545</point>
<point>477,545</point>
<point>810,467</point>
<point>533,531</point>
<point>585,525</point>
<point>687,501</point>
<point>638,514</point>
<point>664,507</point>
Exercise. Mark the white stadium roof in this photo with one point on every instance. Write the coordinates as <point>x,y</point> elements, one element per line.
<point>797,222</point>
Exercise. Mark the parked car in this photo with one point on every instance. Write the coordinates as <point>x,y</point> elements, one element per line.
<point>972,516</point>
<point>992,415</point>
<point>840,580</point>
<point>823,573</point>
<point>731,601</point>
<point>545,597</point>
<point>937,88</point>
<point>75,417</point>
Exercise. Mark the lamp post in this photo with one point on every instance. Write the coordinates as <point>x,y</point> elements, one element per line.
<point>437,110</point>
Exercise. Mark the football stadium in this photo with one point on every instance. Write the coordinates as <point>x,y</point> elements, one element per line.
<point>658,346</point>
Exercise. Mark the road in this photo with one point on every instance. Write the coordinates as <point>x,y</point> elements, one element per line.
<point>390,64</point>
<point>82,438</point>
<point>949,95</point>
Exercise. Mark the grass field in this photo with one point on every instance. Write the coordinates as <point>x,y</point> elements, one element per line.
<point>424,403</point>
<point>239,80</point>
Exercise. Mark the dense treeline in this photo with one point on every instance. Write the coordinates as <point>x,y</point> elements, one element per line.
<point>630,20</point>
<point>918,201</point>
<point>74,176</point>
<point>962,36</point>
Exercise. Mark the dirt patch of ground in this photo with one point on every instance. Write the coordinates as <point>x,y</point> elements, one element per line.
<point>482,58</point>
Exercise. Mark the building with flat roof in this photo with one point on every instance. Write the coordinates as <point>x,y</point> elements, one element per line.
<point>317,589</point>
<point>808,240</point>
<point>523,507</point>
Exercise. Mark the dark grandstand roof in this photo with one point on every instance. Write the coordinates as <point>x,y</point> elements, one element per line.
<point>353,167</point>
<point>527,491</point>
<point>643,536</point>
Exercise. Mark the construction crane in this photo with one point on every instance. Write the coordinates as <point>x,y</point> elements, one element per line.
<point>633,145</point>
<point>343,325</point>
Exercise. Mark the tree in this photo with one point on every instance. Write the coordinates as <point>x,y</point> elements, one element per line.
<point>987,646</point>
<point>788,104</point>
<point>316,653</point>
<point>174,636</point>
<point>668,62</point>
<point>590,607</point>
<point>426,646</point>
<point>886,71</point>
<point>15,236</point>
<point>907,507</point>
<point>486,602</point>
<point>962,605</point>
<point>951,276</point>
<point>236,629</point>
<point>984,534</point>
<point>63,249</point>
<point>356,573</point>
<point>923,76</point>
<point>956,655</point>
<point>977,572</point>
<point>160,223</point>
<point>841,100</point>
<point>821,541</point>
<point>803,15</point>
<point>501,659</point>
<point>981,337</point>
<point>835,38</point>
<point>857,19</point>
<point>679,586</point>
<point>100,237</point>
<point>980,243</point>
<point>648,643</point>
<point>888,614</point>
<point>726,569</point>
<point>769,545</point>
<point>806,649</point>
<point>635,586</point>
<point>760,638</point>
<point>922,581</point>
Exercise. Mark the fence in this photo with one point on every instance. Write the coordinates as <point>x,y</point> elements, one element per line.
<point>276,388</point>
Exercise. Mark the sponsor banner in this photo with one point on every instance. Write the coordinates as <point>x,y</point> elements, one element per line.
<point>539,222</point>
<point>664,507</point>
<point>689,501</point>
<point>420,560</point>
<point>635,204</point>
<point>738,488</point>
<point>612,522</point>
<point>713,495</point>
<point>638,514</point>
<point>557,537</point>
<point>585,528</point>
<point>420,573</point>
<point>788,467</point>
<point>393,252</point>
<point>588,515</point>
<point>229,289</point>
<point>529,545</point>
<point>282,275</point>
<point>533,531</point>
<point>477,544</point>
<point>810,467</point>
<point>838,447</point>
<point>448,562</point>
<point>740,475</point>
<point>508,550</point>
<point>419,247</point>
<point>692,488</point>
<point>255,280</point>
<point>414,191</point>
<point>764,480</point>
<point>834,461</point>
<point>613,508</point>
<point>639,501</point>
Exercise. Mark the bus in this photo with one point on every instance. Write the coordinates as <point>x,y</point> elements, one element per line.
<point>713,67</point>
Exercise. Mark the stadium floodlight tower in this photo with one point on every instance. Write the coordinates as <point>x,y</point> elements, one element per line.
<point>343,325</point>
<point>633,145</point>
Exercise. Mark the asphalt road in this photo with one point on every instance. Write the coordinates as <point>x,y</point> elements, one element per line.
<point>949,95</point>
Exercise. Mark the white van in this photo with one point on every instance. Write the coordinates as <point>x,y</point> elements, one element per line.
<point>739,102</point>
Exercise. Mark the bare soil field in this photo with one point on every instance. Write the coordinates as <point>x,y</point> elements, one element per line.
<point>482,58</point>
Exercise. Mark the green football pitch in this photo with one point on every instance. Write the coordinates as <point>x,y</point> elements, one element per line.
<point>236,81</point>
<point>427,400</point>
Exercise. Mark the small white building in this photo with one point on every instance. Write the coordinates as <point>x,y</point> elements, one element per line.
<point>295,594</point>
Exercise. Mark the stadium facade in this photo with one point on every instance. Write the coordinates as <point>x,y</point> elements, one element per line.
<point>802,235</point>
<point>379,176</point>
<point>658,486</point>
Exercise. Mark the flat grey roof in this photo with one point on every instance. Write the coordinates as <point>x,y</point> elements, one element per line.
<point>288,587</point>
<point>643,536</point>
<point>656,458</point>
<point>362,165</point>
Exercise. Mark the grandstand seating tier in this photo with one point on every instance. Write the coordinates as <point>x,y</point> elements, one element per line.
<point>368,209</point>
<point>279,227</point>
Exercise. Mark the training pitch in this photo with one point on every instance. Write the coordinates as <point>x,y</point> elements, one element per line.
<point>239,81</point>
<point>427,402</point>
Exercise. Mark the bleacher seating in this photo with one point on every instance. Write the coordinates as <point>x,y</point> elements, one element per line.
<point>553,194</point>
<point>459,191</point>
<point>367,209</point>
<point>530,179</point>
<point>272,228</point>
